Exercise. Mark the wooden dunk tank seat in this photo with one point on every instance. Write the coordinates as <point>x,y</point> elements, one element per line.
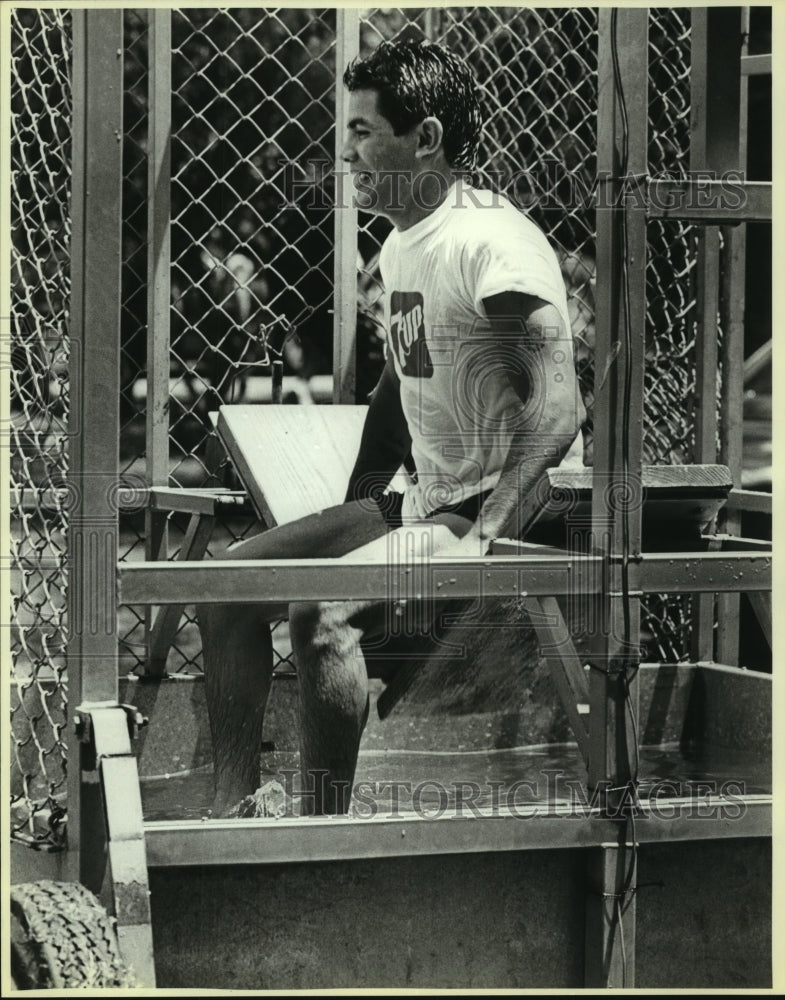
<point>480,656</point>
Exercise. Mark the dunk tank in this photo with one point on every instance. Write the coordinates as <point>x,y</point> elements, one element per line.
<point>196,324</point>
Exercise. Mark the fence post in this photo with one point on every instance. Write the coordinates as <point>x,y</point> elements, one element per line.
<point>158,287</point>
<point>94,417</point>
<point>622,130</point>
<point>715,76</point>
<point>732,290</point>
<point>347,46</point>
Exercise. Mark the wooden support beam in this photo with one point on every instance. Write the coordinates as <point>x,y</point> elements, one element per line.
<point>194,546</point>
<point>558,650</point>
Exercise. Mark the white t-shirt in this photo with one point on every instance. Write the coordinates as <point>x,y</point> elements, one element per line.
<point>460,409</point>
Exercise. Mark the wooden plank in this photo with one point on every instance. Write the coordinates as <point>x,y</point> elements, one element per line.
<point>753,501</point>
<point>653,477</point>
<point>710,202</point>
<point>687,495</point>
<point>293,460</point>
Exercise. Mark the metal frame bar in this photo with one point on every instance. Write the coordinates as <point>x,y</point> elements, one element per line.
<point>732,305</point>
<point>158,290</point>
<point>159,245</point>
<point>758,65</point>
<point>549,827</point>
<point>710,201</point>
<point>347,46</point>
<point>104,735</point>
<point>105,813</point>
<point>715,93</point>
<point>94,419</point>
<point>279,581</point>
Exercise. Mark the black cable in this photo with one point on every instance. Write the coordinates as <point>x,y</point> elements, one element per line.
<point>628,674</point>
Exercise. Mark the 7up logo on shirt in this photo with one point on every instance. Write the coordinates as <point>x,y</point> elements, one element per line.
<point>407,333</point>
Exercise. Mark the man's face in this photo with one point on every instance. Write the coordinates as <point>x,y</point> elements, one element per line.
<point>382,164</point>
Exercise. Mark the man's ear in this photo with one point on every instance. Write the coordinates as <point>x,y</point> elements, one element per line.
<point>429,136</point>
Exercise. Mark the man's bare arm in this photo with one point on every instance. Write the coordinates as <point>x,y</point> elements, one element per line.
<point>385,439</point>
<point>541,370</point>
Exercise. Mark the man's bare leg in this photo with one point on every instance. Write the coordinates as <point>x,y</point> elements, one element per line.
<point>237,646</point>
<point>238,657</point>
<point>332,679</point>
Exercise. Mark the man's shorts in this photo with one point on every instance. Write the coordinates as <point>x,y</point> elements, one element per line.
<point>391,504</point>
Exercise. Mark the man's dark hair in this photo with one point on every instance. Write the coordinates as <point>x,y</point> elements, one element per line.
<point>415,80</point>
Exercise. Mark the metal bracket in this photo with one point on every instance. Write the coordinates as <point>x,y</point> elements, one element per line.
<point>106,731</point>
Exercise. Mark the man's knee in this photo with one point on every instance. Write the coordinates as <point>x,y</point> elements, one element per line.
<point>316,625</point>
<point>323,639</point>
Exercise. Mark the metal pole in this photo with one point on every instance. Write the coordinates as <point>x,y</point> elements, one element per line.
<point>158,290</point>
<point>616,504</point>
<point>347,46</point>
<point>94,373</point>
<point>732,290</point>
<point>715,76</point>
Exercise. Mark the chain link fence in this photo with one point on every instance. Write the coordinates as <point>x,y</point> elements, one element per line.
<point>38,438</point>
<point>253,115</point>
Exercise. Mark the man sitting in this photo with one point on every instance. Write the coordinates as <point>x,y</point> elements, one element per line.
<point>478,393</point>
